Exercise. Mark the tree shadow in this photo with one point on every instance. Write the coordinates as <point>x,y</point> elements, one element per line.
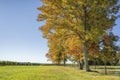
<point>115,73</point>
<point>93,71</point>
<point>108,68</point>
<point>111,72</point>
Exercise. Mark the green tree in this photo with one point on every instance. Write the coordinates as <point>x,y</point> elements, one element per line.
<point>88,19</point>
<point>56,44</point>
<point>109,49</point>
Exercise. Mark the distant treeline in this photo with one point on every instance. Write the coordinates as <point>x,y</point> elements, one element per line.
<point>4,63</point>
<point>91,62</point>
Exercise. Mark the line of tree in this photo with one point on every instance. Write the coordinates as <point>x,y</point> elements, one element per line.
<point>80,30</point>
<point>6,63</point>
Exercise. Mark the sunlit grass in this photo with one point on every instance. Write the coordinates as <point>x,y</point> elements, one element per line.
<point>52,73</point>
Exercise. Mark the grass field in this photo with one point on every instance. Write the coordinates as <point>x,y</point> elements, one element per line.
<point>55,73</point>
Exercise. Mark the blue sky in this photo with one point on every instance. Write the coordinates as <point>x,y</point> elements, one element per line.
<point>20,39</point>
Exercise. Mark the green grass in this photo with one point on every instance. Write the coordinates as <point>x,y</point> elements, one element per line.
<point>53,73</point>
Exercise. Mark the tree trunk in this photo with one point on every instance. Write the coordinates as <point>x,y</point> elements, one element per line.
<point>64,59</point>
<point>85,43</point>
<point>95,63</point>
<point>86,57</point>
<point>80,65</point>
<point>105,68</point>
<point>64,62</point>
<point>59,58</point>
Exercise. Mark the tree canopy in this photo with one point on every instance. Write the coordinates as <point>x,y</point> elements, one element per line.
<point>76,26</point>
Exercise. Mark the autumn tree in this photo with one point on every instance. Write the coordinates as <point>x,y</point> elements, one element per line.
<point>93,49</point>
<point>109,49</point>
<point>57,46</point>
<point>75,50</point>
<point>88,19</point>
<point>118,56</point>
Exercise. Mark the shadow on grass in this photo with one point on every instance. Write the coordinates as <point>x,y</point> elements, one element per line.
<point>111,72</point>
<point>108,68</point>
<point>93,71</point>
<point>115,73</point>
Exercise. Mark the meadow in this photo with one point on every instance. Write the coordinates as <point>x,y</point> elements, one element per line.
<point>56,73</point>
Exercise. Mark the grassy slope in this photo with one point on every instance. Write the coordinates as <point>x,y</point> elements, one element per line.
<point>50,73</point>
